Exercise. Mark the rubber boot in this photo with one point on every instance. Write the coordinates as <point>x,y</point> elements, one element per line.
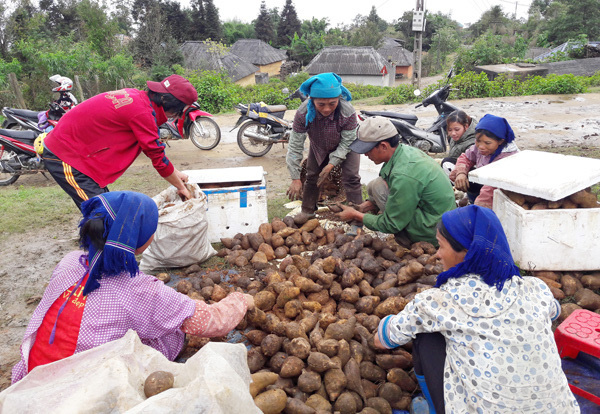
<point>425,390</point>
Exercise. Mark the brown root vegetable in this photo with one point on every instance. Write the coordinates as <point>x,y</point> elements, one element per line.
<point>255,240</point>
<point>390,361</point>
<point>356,351</point>
<point>310,225</point>
<point>277,361</point>
<point>292,367</point>
<point>367,304</point>
<point>390,392</point>
<point>277,225</point>
<point>343,329</point>
<point>271,344</point>
<point>289,221</point>
<point>591,281</point>
<point>312,306</point>
<point>277,241</point>
<point>293,240</point>
<point>319,403</point>
<point>370,388</point>
<point>307,285</point>
<point>292,308</point>
<point>335,381</point>
<point>352,372</point>
<point>297,406</point>
<point>255,336</point>
<point>401,378</point>
<point>264,300</point>
<point>297,249</point>
<point>287,232</point>
<point>567,204</point>
<point>328,347</point>
<point>567,309</point>
<point>261,380</point>
<point>309,381</point>
<point>256,317</point>
<point>266,231</point>
<point>584,199</point>
<point>557,293</point>
<point>320,362</point>
<point>350,295</point>
<point>539,206</point>
<point>587,299</point>
<point>256,359</point>
<point>158,382</point>
<point>390,306</point>
<point>570,285</point>
<point>371,322</point>
<point>299,347</point>
<point>281,252</point>
<point>183,286</point>
<point>245,242</point>
<point>259,261</point>
<point>240,261</point>
<point>272,401</point>
<point>410,272</point>
<point>309,321</point>
<point>372,372</point>
<point>351,277</point>
<point>345,404</point>
<point>380,404</point>
<point>295,330</point>
<point>267,250</point>
<point>289,293</point>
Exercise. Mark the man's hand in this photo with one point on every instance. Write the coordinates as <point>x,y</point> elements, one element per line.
<point>348,214</point>
<point>295,190</point>
<point>366,206</point>
<point>184,193</point>
<point>324,174</point>
<point>461,182</point>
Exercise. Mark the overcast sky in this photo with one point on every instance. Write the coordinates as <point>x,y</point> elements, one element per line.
<point>343,11</point>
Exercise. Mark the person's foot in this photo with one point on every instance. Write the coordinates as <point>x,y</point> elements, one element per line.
<point>303,217</point>
<point>419,405</point>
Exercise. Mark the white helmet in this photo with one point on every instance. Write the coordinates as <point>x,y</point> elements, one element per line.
<point>64,83</point>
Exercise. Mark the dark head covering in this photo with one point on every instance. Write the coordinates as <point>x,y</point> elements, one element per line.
<point>499,127</point>
<point>130,219</point>
<point>323,85</point>
<point>488,254</point>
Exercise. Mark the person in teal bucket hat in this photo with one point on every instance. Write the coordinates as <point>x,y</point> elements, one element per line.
<point>330,122</point>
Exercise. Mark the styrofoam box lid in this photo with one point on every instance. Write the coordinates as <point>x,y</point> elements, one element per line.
<point>540,174</point>
<point>225,175</point>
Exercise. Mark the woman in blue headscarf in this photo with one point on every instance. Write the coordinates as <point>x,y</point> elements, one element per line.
<point>330,123</point>
<point>96,295</point>
<point>494,140</point>
<point>482,338</point>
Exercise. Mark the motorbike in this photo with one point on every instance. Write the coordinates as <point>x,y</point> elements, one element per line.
<point>18,155</point>
<point>262,125</point>
<point>195,124</point>
<point>433,139</point>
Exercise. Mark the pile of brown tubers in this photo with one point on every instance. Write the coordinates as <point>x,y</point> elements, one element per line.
<point>580,199</point>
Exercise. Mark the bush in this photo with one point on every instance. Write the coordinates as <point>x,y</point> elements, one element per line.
<point>216,92</point>
<point>554,84</point>
<point>400,95</point>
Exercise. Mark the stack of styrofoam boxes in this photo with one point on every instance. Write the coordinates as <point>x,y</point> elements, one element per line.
<point>236,199</point>
<point>561,239</point>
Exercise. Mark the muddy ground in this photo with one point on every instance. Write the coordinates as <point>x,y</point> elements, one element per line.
<point>27,260</point>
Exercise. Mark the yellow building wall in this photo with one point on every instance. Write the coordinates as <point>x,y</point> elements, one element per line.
<point>248,80</point>
<point>272,68</point>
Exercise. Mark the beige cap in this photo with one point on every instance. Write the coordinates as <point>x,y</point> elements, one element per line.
<point>371,131</point>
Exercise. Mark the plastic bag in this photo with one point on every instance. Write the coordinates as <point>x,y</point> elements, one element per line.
<point>110,378</point>
<point>181,238</point>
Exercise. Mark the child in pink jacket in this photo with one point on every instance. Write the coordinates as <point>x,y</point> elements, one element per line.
<point>494,140</point>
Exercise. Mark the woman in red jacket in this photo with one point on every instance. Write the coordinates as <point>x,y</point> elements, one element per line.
<point>96,141</point>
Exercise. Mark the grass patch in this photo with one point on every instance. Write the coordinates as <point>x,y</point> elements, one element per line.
<point>275,207</point>
<point>588,152</point>
<point>22,207</point>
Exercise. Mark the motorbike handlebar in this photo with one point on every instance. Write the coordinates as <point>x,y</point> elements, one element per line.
<point>419,105</point>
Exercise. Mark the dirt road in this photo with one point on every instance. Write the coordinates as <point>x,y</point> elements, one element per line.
<point>27,260</point>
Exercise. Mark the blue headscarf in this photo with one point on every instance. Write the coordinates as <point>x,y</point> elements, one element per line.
<point>498,126</point>
<point>479,231</point>
<point>323,85</point>
<point>130,219</point>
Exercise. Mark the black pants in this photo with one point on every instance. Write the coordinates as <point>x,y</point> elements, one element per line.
<point>75,183</point>
<point>429,356</point>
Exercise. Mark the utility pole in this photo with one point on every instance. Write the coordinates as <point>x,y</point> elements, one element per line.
<point>418,28</point>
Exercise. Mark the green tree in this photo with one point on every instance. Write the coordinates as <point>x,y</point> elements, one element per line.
<point>367,34</point>
<point>213,30</point>
<point>289,24</point>
<point>567,19</point>
<point>303,49</point>
<point>122,17</point>
<point>374,18</point>
<point>235,30</point>
<point>96,28</point>
<point>493,20</point>
<point>263,26</point>
<point>435,21</point>
<point>196,31</point>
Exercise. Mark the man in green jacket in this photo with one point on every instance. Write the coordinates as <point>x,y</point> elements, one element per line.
<point>411,193</point>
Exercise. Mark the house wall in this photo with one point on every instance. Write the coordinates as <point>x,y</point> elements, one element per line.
<point>375,80</point>
<point>272,68</point>
<point>405,71</point>
<point>248,80</point>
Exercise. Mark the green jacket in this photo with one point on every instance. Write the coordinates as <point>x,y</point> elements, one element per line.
<point>459,147</point>
<point>420,192</point>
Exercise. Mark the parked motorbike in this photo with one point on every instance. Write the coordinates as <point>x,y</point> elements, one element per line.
<point>195,124</point>
<point>43,121</point>
<point>262,125</point>
<point>433,139</point>
<point>18,155</point>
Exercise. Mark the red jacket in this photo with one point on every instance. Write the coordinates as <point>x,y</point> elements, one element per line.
<point>102,136</point>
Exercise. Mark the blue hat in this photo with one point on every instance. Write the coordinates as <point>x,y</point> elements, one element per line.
<point>479,231</point>
<point>130,219</point>
<point>496,125</point>
<point>323,85</point>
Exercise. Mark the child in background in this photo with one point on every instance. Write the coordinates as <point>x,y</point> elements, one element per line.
<point>461,130</point>
<point>494,140</point>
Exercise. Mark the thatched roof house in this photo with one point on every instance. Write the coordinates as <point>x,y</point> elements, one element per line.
<point>266,57</point>
<point>392,51</point>
<point>207,55</point>
<point>361,65</point>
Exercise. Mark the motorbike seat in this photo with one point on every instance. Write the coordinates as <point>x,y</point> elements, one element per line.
<point>26,113</point>
<point>412,119</point>
<point>276,108</point>
<point>26,137</point>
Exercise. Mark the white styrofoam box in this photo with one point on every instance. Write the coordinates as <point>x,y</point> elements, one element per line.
<point>237,209</point>
<point>561,239</point>
<point>540,174</point>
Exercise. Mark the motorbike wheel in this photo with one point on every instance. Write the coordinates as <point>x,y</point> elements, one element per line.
<point>252,146</point>
<point>7,178</point>
<point>205,133</point>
